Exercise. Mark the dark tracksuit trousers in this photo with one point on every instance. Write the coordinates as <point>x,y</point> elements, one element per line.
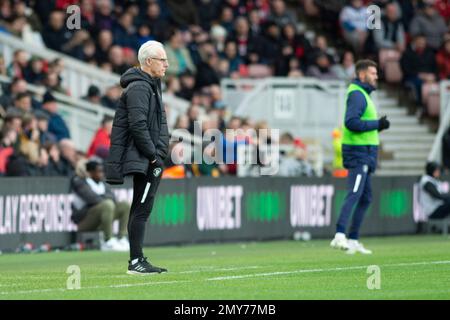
<point>144,191</point>
<point>357,201</point>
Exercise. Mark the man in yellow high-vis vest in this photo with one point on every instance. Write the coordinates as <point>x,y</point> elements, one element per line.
<point>360,149</point>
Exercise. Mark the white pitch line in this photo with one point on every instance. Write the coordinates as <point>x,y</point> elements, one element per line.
<point>265,274</point>
<point>126,285</point>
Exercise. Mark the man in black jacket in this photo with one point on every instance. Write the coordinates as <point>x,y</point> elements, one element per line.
<point>139,144</point>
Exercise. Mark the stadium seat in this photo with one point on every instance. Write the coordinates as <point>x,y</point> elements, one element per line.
<point>430,98</point>
<point>259,71</point>
<point>393,72</point>
<point>389,61</point>
<point>386,55</point>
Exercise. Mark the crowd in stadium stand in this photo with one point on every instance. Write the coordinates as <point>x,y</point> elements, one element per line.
<point>206,41</point>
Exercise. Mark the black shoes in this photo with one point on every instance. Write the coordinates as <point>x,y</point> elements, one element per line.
<point>143,267</point>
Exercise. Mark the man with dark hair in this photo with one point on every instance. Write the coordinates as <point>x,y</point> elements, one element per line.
<point>95,207</point>
<point>360,148</point>
<point>139,145</point>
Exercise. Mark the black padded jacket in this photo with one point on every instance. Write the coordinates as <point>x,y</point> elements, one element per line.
<point>140,133</point>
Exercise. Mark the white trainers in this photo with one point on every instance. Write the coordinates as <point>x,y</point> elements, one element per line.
<point>112,245</point>
<point>355,246</point>
<point>339,241</point>
<point>124,244</point>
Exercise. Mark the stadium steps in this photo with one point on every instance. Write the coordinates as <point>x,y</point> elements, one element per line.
<point>407,141</point>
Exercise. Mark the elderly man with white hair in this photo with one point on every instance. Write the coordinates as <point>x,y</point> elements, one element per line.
<point>139,145</point>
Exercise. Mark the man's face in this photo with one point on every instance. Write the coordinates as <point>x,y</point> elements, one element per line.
<point>158,64</point>
<point>24,103</point>
<point>97,174</point>
<point>370,76</point>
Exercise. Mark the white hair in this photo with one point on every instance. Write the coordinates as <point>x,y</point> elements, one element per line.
<point>149,49</point>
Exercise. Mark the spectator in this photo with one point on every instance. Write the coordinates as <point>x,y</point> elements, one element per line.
<point>157,24</point>
<point>320,47</point>
<point>249,47</point>
<point>271,47</point>
<point>391,35</point>
<point>218,35</point>
<point>182,122</point>
<point>34,72</point>
<point>443,61</point>
<point>55,166</point>
<point>208,12</point>
<point>3,70</point>
<point>69,157</point>
<point>22,102</point>
<point>8,140</point>
<point>430,24</point>
<point>293,161</point>
<point>13,121</point>
<point>178,55</point>
<point>295,70</point>
<point>230,53</point>
<point>16,69</point>
<point>207,72</point>
<point>55,33</point>
<point>187,85</point>
<point>20,9</point>
<point>434,201</point>
<point>346,69</point>
<point>40,167</point>
<point>45,136</point>
<point>255,22</point>
<point>17,86</point>
<point>124,32</point>
<point>56,124</point>
<point>29,140</point>
<point>418,64</point>
<point>116,57</point>
<point>104,43</point>
<point>279,14</point>
<point>93,95</point>
<point>183,13</point>
<point>443,8</point>
<point>111,97</point>
<point>52,82</point>
<point>322,69</point>
<point>353,19</point>
<point>226,19</point>
<point>144,34</point>
<point>295,45</point>
<point>95,207</point>
<point>102,138</point>
<point>104,18</point>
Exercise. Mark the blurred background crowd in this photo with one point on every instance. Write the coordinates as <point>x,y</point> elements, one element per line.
<point>206,41</point>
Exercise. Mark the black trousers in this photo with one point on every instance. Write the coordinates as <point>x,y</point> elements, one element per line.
<point>441,212</point>
<point>144,191</point>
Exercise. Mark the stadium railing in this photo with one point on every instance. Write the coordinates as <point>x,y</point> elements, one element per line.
<point>444,122</point>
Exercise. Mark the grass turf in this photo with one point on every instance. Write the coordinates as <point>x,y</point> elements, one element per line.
<point>412,267</point>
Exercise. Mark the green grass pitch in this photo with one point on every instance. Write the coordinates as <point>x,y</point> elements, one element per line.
<point>411,267</point>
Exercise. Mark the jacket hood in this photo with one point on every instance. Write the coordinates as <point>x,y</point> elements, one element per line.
<point>367,87</point>
<point>136,74</point>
